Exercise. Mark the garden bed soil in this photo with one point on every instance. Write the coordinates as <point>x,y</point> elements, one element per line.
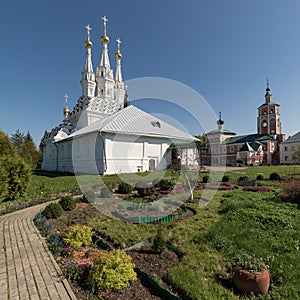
<point>155,265</point>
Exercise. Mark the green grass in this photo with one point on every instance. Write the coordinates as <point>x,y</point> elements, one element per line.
<point>232,223</point>
<point>43,186</point>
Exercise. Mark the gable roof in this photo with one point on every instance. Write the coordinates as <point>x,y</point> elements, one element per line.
<point>252,147</point>
<point>133,121</point>
<point>249,138</point>
<point>222,131</point>
<point>293,139</point>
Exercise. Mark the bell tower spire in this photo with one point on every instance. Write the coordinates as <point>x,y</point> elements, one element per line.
<point>88,82</point>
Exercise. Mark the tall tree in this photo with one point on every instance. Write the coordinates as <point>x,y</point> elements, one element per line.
<point>17,139</point>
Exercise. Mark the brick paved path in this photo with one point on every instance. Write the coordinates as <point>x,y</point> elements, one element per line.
<point>27,268</point>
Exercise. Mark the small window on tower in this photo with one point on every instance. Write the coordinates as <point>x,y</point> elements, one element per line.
<point>264,123</point>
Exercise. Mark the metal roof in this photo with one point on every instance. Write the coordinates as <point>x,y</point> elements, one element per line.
<point>249,138</point>
<point>133,121</point>
<point>293,139</point>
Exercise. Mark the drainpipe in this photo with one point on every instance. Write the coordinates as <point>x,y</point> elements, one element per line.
<point>104,153</point>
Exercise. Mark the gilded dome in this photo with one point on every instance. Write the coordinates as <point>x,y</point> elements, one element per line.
<point>66,111</point>
<point>118,55</point>
<point>105,39</point>
<point>88,44</point>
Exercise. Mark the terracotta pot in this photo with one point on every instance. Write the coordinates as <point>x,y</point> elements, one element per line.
<point>256,282</point>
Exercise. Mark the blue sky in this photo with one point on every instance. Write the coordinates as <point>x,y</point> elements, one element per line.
<point>224,50</point>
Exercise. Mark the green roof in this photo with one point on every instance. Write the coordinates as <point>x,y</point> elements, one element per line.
<point>252,147</point>
<point>250,138</point>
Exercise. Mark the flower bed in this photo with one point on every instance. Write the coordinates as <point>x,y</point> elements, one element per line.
<point>263,189</point>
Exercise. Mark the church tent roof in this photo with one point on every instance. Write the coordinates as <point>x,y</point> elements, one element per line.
<point>133,121</point>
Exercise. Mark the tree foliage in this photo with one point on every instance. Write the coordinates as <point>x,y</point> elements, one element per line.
<point>15,173</point>
<point>26,148</point>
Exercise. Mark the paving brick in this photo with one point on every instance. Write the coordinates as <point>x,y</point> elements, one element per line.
<point>32,271</point>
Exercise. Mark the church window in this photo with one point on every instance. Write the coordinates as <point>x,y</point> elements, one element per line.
<point>102,73</point>
<point>264,123</point>
<point>272,110</point>
<point>231,149</point>
<point>272,123</point>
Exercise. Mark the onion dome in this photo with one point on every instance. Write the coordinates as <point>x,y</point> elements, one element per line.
<point>88,44</point>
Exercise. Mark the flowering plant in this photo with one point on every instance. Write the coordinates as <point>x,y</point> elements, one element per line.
<point>106,295</point>
<point>67,251</point>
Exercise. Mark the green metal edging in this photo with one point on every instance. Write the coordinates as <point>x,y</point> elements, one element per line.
<point>165,294</point>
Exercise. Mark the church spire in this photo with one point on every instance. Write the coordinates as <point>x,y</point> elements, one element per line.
<point>105,41</point>
<point>66,110</point>
<point>104,74</point>
<point>88,83</point>
<point>268,95</point>
<point>118,62</point>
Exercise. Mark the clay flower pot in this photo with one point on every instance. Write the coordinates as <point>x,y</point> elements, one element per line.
<point>256,282</point>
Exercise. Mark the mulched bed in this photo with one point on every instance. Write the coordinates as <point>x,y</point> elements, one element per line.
<point>156,265</point>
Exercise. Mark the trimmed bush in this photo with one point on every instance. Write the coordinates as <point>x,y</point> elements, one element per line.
<point>274,176</point>
<point>225,178</point>
<point>52,211</point>
<point>124,188</point>
<point>259,177</point>
<point>111,271</point>
<point>79,235</point>
<point>145,191</point>
<point>205,179</point>
<point>67,203</point>
<point>166,184</point>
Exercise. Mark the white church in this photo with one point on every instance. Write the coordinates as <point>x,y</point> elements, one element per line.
<point>104,133</point>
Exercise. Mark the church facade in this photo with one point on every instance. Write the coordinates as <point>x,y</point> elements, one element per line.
<point>224,147</point>
<point>104,133</point>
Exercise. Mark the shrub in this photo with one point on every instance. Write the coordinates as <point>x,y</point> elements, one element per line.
<point>225,178</point>
<point>205,179</point>
<point>145,191</point>
<point>42,224</point>
<point>79,235</point>
<point>124,188</point>
<point>55,243</point>
<point>274,176</point>
<point>291,190</point>
<point>15,175</point>
<point>111,271</point>
<point>52,211</point>
<point>259,177</point>
<point>243,181</point>
<point>166,184</point>
<point>159,242</point>
<point>67,203</point>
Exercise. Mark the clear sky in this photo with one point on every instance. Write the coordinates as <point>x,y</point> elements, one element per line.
<point>223,49</point>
